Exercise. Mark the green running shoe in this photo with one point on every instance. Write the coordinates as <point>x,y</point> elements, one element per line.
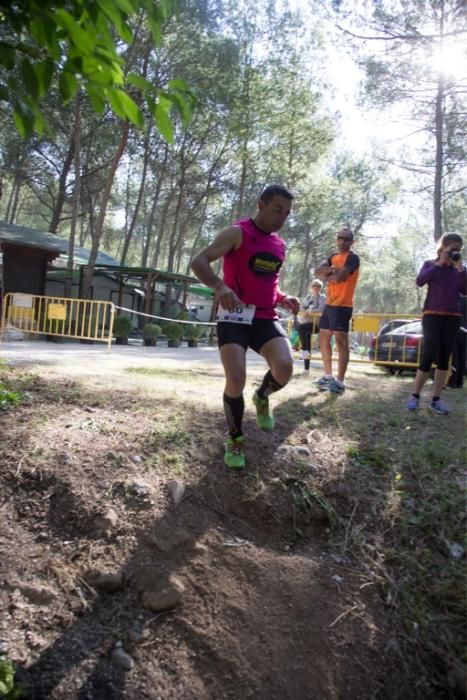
<point>264,417</point>
<point>234,456</point>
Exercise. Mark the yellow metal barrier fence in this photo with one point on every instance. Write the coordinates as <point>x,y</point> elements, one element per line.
<point>366,346</point>
<point>84,319</point>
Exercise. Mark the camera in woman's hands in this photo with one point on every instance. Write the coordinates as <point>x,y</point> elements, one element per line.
<point>454,255</point>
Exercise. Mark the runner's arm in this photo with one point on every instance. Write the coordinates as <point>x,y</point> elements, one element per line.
<point>227,240</point>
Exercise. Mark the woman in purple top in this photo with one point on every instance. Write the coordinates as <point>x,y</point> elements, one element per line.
<point>446,278</point>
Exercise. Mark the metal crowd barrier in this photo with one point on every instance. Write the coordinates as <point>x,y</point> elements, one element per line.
<point>86,319</point>
<point>367,347</point>
<point>83,319</point>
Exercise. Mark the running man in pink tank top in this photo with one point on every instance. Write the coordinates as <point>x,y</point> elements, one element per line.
<point>253,254</point>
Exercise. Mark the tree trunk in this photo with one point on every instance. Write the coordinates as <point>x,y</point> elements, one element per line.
<point>57,212</point>
<point>155,202</point>
<point>96,234</point>
<point>76,196</point>
<point>14,199</point>
<point>439,164</point>
<point>194,246</point>
<point>305,274</point>
<point>173,240</point>
<point>129,234</point>
<point>439,135</point>
<point>160,236</point>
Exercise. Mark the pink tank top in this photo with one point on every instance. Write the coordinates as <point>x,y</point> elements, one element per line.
<point>252,271</point>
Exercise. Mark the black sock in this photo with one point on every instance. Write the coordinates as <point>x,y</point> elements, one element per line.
<point>234,409</point>
<point>435,398</point>
<point>416,396</point>
<point>268,386</point>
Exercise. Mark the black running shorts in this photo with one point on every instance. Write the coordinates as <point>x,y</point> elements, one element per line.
<point>254,336</point>
<point>336,318</point>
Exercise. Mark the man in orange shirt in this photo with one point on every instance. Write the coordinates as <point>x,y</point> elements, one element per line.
<point>340,272</point>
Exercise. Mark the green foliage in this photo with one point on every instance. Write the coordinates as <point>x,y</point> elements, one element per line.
<point>173,331</point>
<point>9,689</point>
<point>388,272</point>
<point>122,326</point>
<point>9,394</point>
<point>151,331</point>
<point>9,397</point>
<point>193,331</point>
<point>74,45</point>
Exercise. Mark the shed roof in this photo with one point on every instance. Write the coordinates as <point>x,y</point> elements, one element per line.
<point>31,238</point>
<point>81,257</point>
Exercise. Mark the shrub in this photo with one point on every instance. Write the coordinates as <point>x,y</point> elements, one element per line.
<point>122,326</point>
<point>151,331</point>
<point>9,394</point>
<point>173,331</point>
<point>9,689</point>
<point>193,331</point>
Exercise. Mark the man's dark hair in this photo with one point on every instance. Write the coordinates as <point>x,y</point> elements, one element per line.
<point>275,190</point>
<point>348,231</point>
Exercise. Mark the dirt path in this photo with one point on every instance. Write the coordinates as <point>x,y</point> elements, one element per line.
<point>114,465</point>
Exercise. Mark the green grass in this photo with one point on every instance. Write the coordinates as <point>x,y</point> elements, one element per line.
<point>169,444</point>
<point>392,486</point>
<point>10,391</point>
<point>9,689</point>
<point>405,473</point>
<point>179,374</point>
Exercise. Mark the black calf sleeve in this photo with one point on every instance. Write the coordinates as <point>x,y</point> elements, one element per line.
<point>234,409</point>
<point>268,386</point>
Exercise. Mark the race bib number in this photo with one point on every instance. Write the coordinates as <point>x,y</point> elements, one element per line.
<point>241,314</point>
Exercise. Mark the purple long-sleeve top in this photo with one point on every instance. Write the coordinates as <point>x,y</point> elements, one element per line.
<point>445,285</point>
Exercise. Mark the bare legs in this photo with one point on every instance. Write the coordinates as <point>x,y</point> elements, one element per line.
<point>233,358</point>
<point>277,353</point>
<point>439,382</point>
<point>326,350</point>
<point>342,344</point>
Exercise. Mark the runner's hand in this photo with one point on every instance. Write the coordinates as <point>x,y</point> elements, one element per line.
<point>227,297</point>
<point>291,304</point>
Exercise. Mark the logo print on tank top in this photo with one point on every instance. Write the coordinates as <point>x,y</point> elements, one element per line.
<point>264,264</point>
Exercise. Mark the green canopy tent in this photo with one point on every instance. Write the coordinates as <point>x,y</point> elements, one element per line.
<point>148,278</point>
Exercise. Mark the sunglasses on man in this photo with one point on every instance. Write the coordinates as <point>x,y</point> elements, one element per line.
<point>344,238</point>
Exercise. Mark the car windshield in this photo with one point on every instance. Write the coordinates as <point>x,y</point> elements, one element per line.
<point>391,325</point>
<point>415,328</point>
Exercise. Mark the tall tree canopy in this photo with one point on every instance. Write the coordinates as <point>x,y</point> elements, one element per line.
<point>415,54</point>
<point>261,115</point>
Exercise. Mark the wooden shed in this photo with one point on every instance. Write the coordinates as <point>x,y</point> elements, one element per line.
<point>25,255</point>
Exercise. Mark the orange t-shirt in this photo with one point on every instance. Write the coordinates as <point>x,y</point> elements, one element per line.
<point>341,293</point>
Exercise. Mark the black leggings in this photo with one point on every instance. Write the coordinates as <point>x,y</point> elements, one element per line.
<point>305,331</point>
<point>439,334</point>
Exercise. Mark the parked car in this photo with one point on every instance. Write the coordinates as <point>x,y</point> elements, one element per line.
<point>398,341</point>
<point>392,324</point>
